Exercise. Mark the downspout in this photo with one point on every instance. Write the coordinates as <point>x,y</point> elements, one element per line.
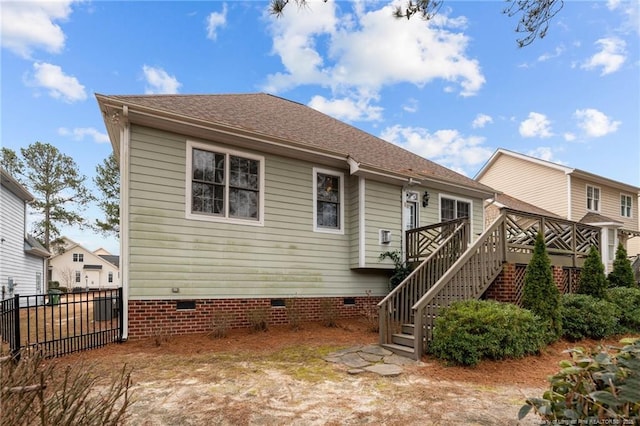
<point>569,210</point>
<point>362,224</point>
<point>125,140</point>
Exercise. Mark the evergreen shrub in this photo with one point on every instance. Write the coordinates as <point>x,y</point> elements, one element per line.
<point>592,279</point>
<point>628,300</point>
<point>622,273</point>
<point>472,330</point>
<point>585,316</point>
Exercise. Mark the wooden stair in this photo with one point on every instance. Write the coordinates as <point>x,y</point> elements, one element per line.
<point>403,343</point>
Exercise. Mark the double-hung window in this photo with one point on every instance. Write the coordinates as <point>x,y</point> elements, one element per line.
<point>78,257</point>
<point>224,185</point>
<point>626,205</point>
<point>328,195</point>
<point>593,198</point>
<point>451,209</point>
<point>77,276</point>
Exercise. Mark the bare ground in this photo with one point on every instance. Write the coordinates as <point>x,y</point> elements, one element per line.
<point>279,377</point>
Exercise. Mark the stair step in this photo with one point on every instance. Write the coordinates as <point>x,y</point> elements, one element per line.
<point>400,350</point>
<point>408,329</point>
<point>403,339</point>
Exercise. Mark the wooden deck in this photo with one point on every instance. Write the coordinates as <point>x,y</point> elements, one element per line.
<point>449,269</point>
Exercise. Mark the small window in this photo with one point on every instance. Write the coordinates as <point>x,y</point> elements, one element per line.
<point>224,185</point>
<point>451,209</point>
<point>593,198</point>
<point>626,205</point>
<point>110,279</point>
<point>328,193</point>
<point>277,303</point>
<point>611,244</point>
<point>78,276</point>
<point>78,257</point>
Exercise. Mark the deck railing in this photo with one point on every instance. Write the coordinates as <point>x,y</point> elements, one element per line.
<point>395,308</point>
<point>422,242</point>
<point>467,278</point>
<point>563,238</point>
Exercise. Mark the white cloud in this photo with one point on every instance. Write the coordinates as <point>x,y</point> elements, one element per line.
<point>630,11</point>
<point>30,25</point>
<point>79,133</point>
<point>411,105</point>
<point>595,123</point>
<point>544,153</point>
<point>58,84</point>
<point>216,20</point>
<point>159,82</point>
<point>481,120</point>
<point>346,109</point>
<point>569,137</point>
<point>610,58</point>
<point>556,53</point>
<point>537,125</point>
<point>367,50</point>
<point>446,147</point>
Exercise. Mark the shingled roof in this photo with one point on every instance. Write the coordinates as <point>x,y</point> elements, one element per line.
<point>275,117</point>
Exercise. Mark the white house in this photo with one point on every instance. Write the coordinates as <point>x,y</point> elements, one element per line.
<point>76,267</point>
<point>22,258</point>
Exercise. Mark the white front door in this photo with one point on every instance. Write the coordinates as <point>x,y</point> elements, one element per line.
<point>411,212</point>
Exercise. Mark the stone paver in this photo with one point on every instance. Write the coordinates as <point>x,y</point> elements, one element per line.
<point>370,358</point>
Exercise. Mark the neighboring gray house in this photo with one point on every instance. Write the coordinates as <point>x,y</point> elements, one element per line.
<point>235,204</point>
<point>22,258</point>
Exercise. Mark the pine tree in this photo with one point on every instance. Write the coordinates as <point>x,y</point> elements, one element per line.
<point>540,294</point>
<point>592,279</point>
<point>622,274</point>
<point>108,182</point>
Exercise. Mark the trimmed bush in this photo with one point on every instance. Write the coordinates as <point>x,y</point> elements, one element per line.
<point>595,387</point>
<point>622,274</point>
<point>540,294</point>
<point>628,300</point>
<point>593,282</point>
<point>585,316</point>
<point>470,331</point>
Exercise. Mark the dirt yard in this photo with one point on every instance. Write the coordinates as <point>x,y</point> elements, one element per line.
<point>279,377</point>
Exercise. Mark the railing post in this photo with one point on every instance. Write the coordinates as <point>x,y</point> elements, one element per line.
<point>120,313</point>
<point>418,344</point>
<point>15,342</point>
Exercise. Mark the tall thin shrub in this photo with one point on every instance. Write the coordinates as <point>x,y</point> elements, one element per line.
<point>540,294</point>
<point>593,282</point>
<point>622,273</point>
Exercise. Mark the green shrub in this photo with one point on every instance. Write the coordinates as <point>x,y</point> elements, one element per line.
<point>594,387</point>
<point>401,270</point>
<point>592,279</point>
<point>469,331</point>
<point>585,316</point>
<point>540,294</point>
<point>622,273</point>
<point>628,300</point>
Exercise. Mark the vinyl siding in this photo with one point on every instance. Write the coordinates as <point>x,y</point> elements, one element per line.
<point>609,202</point>
<point>14,262</point>
<point>63,270</point>
<point>534,183</point>
<point>383,211</point>
<point>285,257</point>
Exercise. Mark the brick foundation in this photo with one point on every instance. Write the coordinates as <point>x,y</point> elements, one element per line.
<point>149,318</point>
<point>508,286</point>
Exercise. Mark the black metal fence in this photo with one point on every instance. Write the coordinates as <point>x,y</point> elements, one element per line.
<point>60,324</point>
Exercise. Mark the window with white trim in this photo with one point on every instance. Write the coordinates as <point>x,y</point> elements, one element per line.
<point>224,185</point>
<point>78,257</point>
<point>593,198</point>
<point>626,205</point>
<point>110,277</point>
<point>411,210</point>
<point>451,209</point>
<point>611,244</point>
<point>78,276</point>
<point>328,195</point>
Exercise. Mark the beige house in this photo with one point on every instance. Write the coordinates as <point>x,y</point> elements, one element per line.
<point>572,194</point>
<point>76,267</point>
<point>236,203</point>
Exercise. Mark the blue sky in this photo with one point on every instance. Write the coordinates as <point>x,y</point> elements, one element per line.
<point>452,90</point>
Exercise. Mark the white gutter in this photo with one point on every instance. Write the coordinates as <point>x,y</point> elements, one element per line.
<point>362,224</point>
<point>569,210</point>
<point>125,164</point>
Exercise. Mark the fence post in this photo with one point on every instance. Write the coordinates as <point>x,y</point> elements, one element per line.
<point>15,342</point>
<point>120,313</point>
